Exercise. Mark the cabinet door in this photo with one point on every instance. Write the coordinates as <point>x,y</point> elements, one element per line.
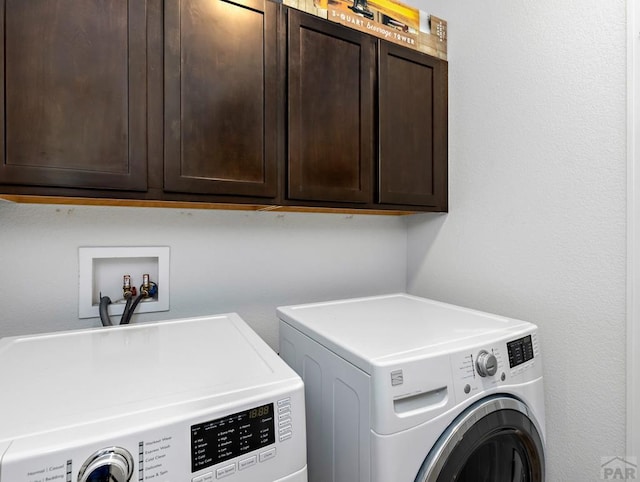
<point>220,97</point>
<point>330,129</point>
<point>73,101</point>
<point>412,127</point>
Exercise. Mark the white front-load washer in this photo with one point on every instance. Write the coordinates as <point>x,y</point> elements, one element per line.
<point>402,389</point>
<point>191,400</point>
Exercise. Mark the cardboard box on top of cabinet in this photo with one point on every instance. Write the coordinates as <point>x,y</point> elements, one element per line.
<point>387,19</point>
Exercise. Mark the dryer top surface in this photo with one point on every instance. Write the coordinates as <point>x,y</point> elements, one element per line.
<point>382,330</point>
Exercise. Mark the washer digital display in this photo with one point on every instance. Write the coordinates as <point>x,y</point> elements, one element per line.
<point>520,351</point>
<point>231,436</point>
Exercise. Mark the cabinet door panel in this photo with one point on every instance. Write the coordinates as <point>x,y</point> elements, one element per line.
<point>412,127</point>
<point>330,71</point>
<point>220,98</point>
<point>74,94</point>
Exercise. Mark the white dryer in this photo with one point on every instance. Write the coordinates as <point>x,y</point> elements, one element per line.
<point>192,400</point>
<point>401,389</point>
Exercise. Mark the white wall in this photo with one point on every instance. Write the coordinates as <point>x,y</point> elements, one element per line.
<point>536,228</point>
<point>244,261</point>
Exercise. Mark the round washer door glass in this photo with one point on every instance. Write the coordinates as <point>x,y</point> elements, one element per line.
<point>496,440</point>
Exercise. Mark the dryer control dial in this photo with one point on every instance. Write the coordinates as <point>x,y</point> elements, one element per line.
<point>114,464</point>
<point>486,364</point>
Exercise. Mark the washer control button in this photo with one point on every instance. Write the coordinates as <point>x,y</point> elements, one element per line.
<point>246,463</point>
<point>268,454</point>
<point>284,421</point>
<point>225,471</point>
<point>284,409</point>
<point>208,477</point>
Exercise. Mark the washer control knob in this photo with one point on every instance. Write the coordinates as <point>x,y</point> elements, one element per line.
<point>114,464</point>
<point>486,364</point>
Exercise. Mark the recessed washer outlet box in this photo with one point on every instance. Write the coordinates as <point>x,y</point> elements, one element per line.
<point>102,270</point>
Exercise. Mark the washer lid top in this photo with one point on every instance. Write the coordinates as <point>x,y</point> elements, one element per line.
<point>56,380</point>
<point>382,330</point>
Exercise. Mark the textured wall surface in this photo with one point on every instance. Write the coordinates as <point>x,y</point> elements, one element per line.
<point>536,228</point>
<point>247,262</point>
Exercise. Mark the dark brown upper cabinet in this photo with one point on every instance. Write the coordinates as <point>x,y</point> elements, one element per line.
<point>221,94</point>
<point>330,71</point>
<point>223,102</point>
<point>73,101</point>
<point>361,128</point>
<point>412,120</point>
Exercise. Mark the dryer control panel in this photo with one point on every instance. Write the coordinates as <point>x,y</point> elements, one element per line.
<point>520,351</point>
<point>512,360</point>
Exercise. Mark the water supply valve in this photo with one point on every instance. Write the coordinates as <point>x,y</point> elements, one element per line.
<point>148,289</point>
<point>126,287</point>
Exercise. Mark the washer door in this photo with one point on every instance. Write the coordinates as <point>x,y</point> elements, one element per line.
<point>495,440</point>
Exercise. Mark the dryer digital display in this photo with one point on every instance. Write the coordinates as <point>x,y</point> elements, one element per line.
<point>520,351</point>
<point>222,439</point>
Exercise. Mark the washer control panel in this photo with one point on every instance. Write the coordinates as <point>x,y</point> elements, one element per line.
<point>265,439</point>
<point>247,436</point>
<point>232,436</point>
